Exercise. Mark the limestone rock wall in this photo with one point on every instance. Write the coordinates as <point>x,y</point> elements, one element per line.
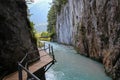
<point>93,27</point>
<point>15,36</point>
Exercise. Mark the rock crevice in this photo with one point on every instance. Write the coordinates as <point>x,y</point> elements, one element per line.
<point>93,27</point>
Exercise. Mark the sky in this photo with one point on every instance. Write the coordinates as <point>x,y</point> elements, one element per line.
<point>39,10</point>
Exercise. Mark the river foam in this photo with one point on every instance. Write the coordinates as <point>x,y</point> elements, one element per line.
<point>73,66</point>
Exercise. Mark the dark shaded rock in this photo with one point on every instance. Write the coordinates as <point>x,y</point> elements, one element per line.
<point>15,37</point>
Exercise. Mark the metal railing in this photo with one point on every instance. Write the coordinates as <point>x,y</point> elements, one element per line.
<point>23,64</point>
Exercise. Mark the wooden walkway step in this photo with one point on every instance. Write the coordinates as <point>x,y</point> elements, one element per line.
<point>45,59</point>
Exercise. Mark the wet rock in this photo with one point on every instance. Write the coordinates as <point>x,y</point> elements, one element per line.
<point>93,27</point>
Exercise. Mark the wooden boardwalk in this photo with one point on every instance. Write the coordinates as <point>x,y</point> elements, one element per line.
<point>45,59</point>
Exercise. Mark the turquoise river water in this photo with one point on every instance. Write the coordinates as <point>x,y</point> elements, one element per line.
<point>72,66</point>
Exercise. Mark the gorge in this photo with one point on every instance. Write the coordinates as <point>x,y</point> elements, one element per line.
<point>93,28</point>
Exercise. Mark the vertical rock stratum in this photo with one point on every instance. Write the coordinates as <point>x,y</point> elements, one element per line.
<point>93,27</point>
<point>15,36</point>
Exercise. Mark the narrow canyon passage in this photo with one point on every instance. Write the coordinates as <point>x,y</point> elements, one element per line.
<point>73,66</point>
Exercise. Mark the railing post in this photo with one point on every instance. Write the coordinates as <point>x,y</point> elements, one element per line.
<point>49,49</point>
<point>53,54</point>
<point>44,45</point>
<point>52,49</point>
<point>26,66</point>
<point>19,72</point>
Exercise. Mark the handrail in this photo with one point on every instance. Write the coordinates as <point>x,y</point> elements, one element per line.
<point>23,67</point>
<point>28,72</point>
<point>24,58</point>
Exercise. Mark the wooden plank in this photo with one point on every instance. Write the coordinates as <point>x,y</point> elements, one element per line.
<point>44,60</point>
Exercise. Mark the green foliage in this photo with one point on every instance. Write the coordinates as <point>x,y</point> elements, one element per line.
<point>32,28</point>
<point>51,20</point>
<point>35,35</point>
<point>58,4</point>
<point>52,15</point>
<point>45,34</point>
<point>33,31</point>
<point>45,39</point>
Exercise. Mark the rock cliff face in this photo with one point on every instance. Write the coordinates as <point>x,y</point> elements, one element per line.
<point>93,27</point>
<point>15,36</point>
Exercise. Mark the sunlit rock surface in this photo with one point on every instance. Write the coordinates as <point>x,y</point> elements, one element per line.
<point>93,27</point>
<point>15,36</point>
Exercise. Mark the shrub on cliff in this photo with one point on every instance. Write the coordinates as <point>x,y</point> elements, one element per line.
<point>58,4</point>
<point>51,20</point>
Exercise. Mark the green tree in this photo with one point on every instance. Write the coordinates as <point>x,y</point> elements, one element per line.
<point>52,15</point>
<point>51,20</point>
<point>58,4</point>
